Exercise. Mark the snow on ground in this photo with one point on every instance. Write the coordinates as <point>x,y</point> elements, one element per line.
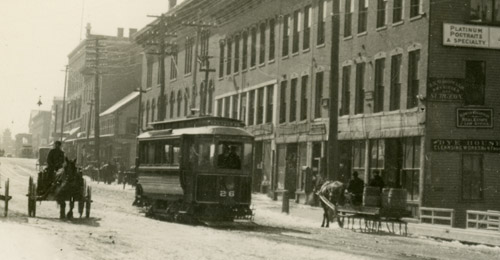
<point>21,242</point>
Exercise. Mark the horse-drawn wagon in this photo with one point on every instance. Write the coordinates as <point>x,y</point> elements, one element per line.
<point>378,206</point>
<point>67,185</point>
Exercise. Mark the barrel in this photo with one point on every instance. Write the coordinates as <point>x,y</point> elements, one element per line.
<point>371,197</point>
<point>397,198</point>
<point>385,197</point>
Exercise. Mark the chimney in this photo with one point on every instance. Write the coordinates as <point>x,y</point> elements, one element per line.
<point>88,28</point>
<point>120,32</point>
<point>171,4</point>
<point>131,32</point>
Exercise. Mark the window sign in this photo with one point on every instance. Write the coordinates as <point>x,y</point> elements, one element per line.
<point>474,117</point>
<point>472,36</point>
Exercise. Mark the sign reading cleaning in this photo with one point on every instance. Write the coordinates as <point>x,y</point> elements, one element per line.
<point>457,145</point>
<point>473,36</point>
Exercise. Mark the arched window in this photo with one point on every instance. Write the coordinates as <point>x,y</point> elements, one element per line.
<point>147,113</point>
<point>141,116</point>
<point>186,102</point>
<point>210,90</point>
<point>172,101</point>
<point>153,108</point>
<point>164,108</point>
<point>166,105</point>
<point>179,102</point>
<point>203,98</point>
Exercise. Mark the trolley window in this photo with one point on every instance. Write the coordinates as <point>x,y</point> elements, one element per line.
<point>202,154</point>
<point>165,152</point>
<point>234,155</point>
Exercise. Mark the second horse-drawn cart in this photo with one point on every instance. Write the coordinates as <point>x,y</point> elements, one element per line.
<point>386,206</point>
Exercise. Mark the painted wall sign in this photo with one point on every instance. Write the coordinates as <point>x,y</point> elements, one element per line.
<point>457,145</point>
<point>474,117</point>
<point>446,89</point>
<point>472,36</point>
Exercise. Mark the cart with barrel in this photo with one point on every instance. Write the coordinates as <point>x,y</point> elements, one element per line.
<point>380,208</point>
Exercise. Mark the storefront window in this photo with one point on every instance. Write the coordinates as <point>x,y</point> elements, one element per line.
<point>377,154</point>
<point>410,177</point>
<point>472,176</point>
<point>358,154</point>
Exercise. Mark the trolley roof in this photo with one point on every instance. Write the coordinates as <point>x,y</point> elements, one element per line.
<point>207,125</point>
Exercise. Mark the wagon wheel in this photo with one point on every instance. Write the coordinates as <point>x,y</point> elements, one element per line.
<point>31,198</point>
<point>6,197</point>
<point>81,202</point>
<point>88,202</point>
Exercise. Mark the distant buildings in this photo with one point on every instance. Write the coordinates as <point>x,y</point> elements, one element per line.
<point>24,148</point>
<point>39,128</point>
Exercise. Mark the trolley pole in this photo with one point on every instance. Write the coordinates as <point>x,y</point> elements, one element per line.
<point>333,143</point>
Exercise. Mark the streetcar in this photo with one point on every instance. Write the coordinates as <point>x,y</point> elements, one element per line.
<point>196,169</point>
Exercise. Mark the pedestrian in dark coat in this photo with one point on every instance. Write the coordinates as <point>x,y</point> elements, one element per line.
<point>355,187</point>
<point>377,181</point>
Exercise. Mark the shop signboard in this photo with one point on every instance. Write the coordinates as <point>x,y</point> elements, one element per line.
<point>474,118</point>
<point>466,145</point>
<point>471,36</point>
<point>446,89</point>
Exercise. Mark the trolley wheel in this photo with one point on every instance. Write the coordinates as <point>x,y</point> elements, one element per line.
<point>88,202</point>
<point>6,197</point>
<point>31,198</point>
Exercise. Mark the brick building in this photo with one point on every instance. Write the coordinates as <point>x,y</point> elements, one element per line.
<point>417,96</point>
<point>120,70</point>
<point>411,105</point>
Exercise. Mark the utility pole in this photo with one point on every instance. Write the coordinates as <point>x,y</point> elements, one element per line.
<point>94,51</point>
<point>64,102</point>
<point>205,60</point>
<point>157,37</point>
<point>199,27</point>
<point>333,142</point>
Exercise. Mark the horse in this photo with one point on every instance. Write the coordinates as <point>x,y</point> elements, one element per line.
<point>69,182</point>
<point>333,192</point>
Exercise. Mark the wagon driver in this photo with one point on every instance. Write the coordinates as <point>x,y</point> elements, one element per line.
<point>55,160</point>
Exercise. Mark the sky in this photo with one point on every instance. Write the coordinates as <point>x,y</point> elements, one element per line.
<point>36,37</point>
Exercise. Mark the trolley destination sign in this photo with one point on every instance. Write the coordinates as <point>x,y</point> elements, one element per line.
<point>458,145</point>
<point>474,117</point>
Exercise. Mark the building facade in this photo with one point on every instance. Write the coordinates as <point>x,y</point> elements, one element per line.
<point>39,128</point>
<point>119,131</point>
<point>119,65</point>
<point>417,91</point>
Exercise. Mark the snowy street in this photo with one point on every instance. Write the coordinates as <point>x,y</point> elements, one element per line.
<point>117,230</point>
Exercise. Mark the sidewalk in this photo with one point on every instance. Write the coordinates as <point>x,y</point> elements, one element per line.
<point>309,216</point>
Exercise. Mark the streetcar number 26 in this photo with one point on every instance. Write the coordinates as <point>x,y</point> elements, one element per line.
<point>224,193</point>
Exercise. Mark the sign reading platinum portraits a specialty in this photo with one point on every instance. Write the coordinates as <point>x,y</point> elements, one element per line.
<point>473,36</point>
<point>446,89</point>
<point>456,145</point>
<point>474,117</point>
